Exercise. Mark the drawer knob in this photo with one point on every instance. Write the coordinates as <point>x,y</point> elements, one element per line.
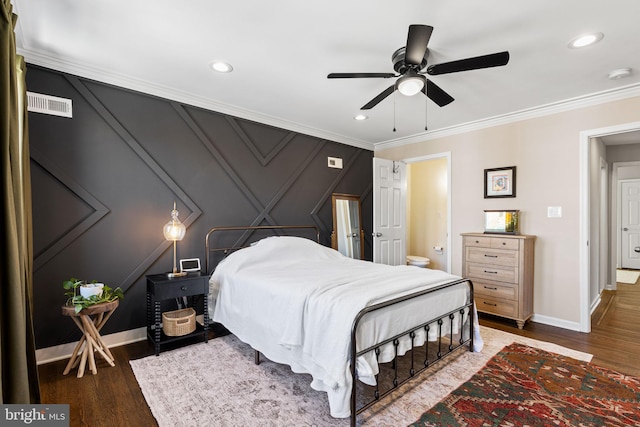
<point>491,289</point>
<point>491,256</point>
<point>491,272</point>
<point>184,288</point>
<point>487,303</point>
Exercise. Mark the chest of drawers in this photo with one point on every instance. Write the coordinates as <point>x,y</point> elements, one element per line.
<point>501,269</point>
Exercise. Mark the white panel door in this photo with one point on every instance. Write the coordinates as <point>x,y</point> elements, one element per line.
<point>630,222</point>
<point>389,211</point>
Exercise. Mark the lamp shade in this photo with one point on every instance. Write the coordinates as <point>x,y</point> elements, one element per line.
<point>174,230</point>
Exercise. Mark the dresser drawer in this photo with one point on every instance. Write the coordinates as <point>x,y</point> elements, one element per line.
<point>492,257</point>
<point>495,290</point>
<point>505,243</point>
<point>492,242</point>
<point>490,272</point>
<point>180,288</point>
<point>477,241</point>
<point>495,306</point>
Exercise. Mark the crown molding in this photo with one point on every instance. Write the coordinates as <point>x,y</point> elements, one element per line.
<point>120,80</point>
<point>36,58</point>
<point>624,92</point>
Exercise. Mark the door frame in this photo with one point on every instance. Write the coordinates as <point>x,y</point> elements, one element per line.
<point>618,204</point>
<point>446,155</point>
<point>585,217</point>
<point>603,230</point>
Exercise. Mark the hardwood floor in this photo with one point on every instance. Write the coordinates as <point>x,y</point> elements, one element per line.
<point>614,340</point>
<point>112,396</point>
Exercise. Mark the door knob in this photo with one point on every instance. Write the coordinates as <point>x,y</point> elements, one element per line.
<point>625,229</point>
<point>376,234</point>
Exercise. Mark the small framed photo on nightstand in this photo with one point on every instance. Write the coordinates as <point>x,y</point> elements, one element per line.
<point>190,264</point>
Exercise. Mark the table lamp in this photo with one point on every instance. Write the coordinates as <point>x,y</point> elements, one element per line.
<point>174,230</point>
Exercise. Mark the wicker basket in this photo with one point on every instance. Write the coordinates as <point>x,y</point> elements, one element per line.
<point>179,322</point>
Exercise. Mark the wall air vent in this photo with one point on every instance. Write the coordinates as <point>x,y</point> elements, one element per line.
<point>47,104</point>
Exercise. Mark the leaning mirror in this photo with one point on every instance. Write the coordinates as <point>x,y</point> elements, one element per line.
<point>347,234</point>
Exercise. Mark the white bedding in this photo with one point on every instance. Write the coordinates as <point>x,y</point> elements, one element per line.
<point>295,301</point>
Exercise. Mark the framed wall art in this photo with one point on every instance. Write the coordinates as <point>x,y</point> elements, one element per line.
<point>500,182</point>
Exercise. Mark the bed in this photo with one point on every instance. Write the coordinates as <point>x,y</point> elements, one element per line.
<point>343,321</point>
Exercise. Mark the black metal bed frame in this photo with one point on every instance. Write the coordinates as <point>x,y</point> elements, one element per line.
<point>241,242</point>
<point>452,344</point>
<point>395,340</point>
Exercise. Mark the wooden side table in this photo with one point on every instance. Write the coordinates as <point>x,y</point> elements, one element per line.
<point>90,327</point>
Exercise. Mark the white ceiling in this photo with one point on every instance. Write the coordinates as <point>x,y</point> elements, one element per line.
<point>282,51</point>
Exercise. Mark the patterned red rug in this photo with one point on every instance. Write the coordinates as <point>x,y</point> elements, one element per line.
<point>526,386</point>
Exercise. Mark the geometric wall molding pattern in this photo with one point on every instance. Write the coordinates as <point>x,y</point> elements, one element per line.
<point>125,156</point>
<point>135,146</point>
<point>229,169</point>
<point>263,159</point>
<point>98,210</point>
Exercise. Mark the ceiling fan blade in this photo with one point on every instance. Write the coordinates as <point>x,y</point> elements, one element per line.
<point>375,101</point>
<point>359,75</point>
<point>417,41</point>
<point>478,62</point>
<point>436,94</point>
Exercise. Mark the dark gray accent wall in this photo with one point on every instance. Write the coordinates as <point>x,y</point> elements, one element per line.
<point>104,183</point>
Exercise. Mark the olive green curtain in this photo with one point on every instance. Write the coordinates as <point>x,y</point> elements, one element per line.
<point>17,344</point>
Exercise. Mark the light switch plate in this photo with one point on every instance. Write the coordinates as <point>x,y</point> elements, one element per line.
<point>554,212</point>
<point>334,162</point>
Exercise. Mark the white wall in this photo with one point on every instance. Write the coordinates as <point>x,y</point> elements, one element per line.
<point>546,152</point>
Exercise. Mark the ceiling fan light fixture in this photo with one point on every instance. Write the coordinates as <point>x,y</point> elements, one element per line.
<point>361,117</point>
<point>410,85</point>
<point>585,40</point>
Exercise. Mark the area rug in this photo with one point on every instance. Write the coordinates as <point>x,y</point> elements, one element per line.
<point>526,386</point>
<point>217,384</point>
<point>629,277</point>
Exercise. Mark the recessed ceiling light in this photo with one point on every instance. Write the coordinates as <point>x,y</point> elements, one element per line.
<point>221,67</point>
<point>585,40</point>
<point>361,117</point>
<point>619,73</point>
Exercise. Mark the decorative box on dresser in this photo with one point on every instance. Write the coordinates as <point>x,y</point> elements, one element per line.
<point>501,269</point>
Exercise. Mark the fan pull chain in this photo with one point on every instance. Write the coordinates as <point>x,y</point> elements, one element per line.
<point>394,110</point>
<point>426,107</point>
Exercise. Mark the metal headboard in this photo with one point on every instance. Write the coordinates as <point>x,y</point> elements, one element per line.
<point>242,241</point>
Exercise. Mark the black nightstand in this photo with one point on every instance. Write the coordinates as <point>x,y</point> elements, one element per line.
<point>160,288</point>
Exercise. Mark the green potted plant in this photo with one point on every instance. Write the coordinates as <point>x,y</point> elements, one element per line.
<point>81,294</point>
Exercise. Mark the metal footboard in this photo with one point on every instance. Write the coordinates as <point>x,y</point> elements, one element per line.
<point>445,345</point>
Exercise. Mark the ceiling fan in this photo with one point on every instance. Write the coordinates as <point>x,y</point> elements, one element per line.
<point>410,61</point>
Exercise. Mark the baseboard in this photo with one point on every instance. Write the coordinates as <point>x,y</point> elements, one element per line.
<point>553,321</point>
<point>64,351</point>
<point>595,305</point>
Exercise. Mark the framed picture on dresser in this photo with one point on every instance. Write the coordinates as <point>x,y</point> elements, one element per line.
<point>500,182</point>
